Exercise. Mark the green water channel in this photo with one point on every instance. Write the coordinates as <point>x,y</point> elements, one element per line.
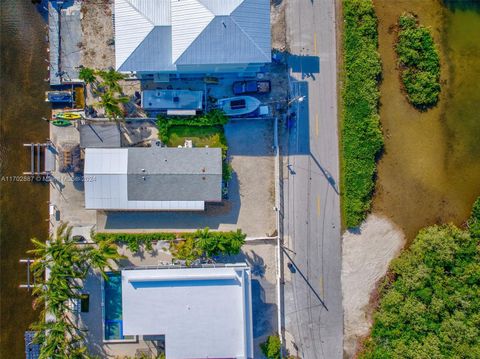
<point>430,172</point>
<point>23,207</point>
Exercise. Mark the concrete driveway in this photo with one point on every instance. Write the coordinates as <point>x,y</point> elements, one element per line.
<point>260,256</point>
<point>251,192</point>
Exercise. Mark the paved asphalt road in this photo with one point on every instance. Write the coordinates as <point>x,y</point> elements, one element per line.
<point>312,295</point>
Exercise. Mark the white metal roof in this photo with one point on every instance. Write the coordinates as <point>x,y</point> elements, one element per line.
<point>156,11</point>
<point>99,161</point>
<point>203,312</point>
<point>174,30</point>
<point>221,7</point>
<point>198,17</point>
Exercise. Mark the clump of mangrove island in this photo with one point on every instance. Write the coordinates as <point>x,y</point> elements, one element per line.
<point>430,302</point>
<point>362,138</point>
<point>419,62</point>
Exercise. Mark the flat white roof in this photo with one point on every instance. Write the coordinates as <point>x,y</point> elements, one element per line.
<point>203,312</point>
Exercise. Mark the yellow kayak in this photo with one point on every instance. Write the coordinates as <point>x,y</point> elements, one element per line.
<point>68,116</point>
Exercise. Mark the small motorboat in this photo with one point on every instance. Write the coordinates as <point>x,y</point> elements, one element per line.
<point>59,96</point>
<point>61,123</point>
<point>239,105</point>
<point>68,116</point>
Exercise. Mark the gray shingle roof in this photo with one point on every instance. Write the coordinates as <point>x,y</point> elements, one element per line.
<point>174,174</point>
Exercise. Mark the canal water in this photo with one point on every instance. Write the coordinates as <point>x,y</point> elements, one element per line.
<point>23,205</point>
<point>430,172</point>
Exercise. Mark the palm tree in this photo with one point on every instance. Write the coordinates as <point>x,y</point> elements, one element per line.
<point>111,78</point>
<point>87,75</point>
<point>68,265</point>
<point>231,243</point>
<point>186,250</point>
<point>204,241</point>
<point>111,104</point>
<point>101,256</point>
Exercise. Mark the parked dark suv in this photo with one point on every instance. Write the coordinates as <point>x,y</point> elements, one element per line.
<point>252,86</point>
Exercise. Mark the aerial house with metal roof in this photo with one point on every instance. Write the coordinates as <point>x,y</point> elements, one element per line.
<point>164,37</point>
<point>152,178</point>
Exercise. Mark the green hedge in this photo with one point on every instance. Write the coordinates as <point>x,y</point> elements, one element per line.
<point>419,62</point>
<point>430,307</point>
<point>272,347</point>
<point>362,138</point>
<point>213,118</point>
<point>206,243</point>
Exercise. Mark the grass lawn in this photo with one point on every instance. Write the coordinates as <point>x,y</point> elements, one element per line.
<point>201,136</point>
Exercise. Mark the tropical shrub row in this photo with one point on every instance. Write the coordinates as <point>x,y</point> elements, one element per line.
<point>187,246</point>
<point>133,241</point>
<point>430,304</point>
<point>68,265</point>
<point>362,138</point>
<point>212,118</point>
<point>419,62</point>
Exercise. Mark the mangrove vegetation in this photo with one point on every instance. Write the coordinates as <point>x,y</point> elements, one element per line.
<point>362,138</point>
<point>430,301</point>
<point>418,61</point>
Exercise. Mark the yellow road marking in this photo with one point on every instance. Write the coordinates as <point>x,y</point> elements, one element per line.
<point>321,286</point>
<point>314,43</point>
<point>318,206</point>
<point>316,125</point>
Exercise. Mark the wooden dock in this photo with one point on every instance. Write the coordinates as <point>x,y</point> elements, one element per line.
<point>39,152</point>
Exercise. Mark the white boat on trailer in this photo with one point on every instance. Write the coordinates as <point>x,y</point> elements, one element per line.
<point>238,105</point>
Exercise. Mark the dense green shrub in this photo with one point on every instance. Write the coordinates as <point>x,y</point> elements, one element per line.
<point>361,135</point>
<point>419,62</point>
<point>431,307</point>
<point>474,220</point>
<point>272,347</point>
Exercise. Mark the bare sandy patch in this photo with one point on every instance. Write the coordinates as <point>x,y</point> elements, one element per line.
<point>278,24</point>
<point>366,256</point>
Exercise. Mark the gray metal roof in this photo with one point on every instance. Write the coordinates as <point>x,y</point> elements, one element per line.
<point>100,135</point>
<point>158,36</point>
<point>174,174</point>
